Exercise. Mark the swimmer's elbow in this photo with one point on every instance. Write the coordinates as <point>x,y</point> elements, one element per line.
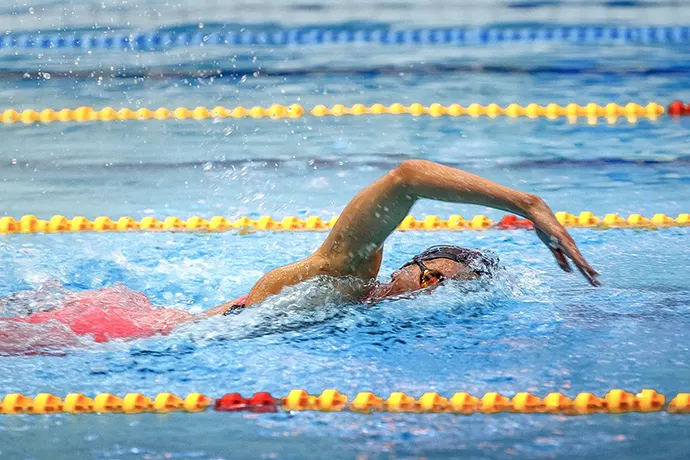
<point>406,172</point>
<point>412,176</point>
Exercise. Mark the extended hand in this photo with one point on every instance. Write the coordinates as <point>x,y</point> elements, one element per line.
<point>559,241</point>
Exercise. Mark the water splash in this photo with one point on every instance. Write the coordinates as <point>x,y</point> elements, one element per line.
<point>296,308</point>
<point>324,303</point>
<point>115,313</point>
<point>58,320</point>
<point>47,296</point>
<point>49,338</point>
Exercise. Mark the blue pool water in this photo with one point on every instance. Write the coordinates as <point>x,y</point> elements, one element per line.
<point>533,328</point>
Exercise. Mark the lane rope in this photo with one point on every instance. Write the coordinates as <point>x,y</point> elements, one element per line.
<point>60,224</point>
<point>456,36</point>
<point>612,111</point>
<point>614,402</point>
<point>436,70</point>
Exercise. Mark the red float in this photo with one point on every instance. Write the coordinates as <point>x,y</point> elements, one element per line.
<point>511,222</point>
<point>678,109</point>
<point>263,402</point>
<point>231,402</point>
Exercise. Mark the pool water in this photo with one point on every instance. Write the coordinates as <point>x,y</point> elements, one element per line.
<point>532,328</point>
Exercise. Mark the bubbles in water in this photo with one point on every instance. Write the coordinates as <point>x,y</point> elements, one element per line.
<point>319,182</point>
<point>295,308</point>
<point>23,303</point>
<point>18,338</point>
<point>57,317</point>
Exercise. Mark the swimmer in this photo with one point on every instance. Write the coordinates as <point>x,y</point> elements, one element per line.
<point>354,247</point>
<point>352,250</point>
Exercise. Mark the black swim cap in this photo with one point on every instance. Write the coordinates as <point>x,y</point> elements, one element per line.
<point>481,264</point>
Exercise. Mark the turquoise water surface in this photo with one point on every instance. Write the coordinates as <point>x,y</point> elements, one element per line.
<point>532,328</point>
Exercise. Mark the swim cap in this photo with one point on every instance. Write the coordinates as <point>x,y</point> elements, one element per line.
<point>481,264</point>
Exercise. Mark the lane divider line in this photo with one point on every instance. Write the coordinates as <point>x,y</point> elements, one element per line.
<point>437,36</point>
<point>616,401</point>
<point>79,224</point>
<point>612,112</point>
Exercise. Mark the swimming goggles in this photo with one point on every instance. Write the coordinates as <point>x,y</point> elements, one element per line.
<point>428,277</point>
<point>475,261</point>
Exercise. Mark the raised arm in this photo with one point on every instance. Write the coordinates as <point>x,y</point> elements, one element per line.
<point>376,211</point>
<point>353,246</point>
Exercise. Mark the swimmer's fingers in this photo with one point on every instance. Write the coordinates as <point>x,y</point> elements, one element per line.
<point>587,271</point>
<point>562,246</point>
<point>559,241</point>
<point>555,249</point>
<point>561,259</point>
<point>568,246</point>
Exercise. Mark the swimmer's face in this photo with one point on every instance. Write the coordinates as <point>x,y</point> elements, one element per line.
<point>408,279</point>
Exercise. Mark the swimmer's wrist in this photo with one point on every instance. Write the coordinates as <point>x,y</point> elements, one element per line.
<point>532,206</point>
